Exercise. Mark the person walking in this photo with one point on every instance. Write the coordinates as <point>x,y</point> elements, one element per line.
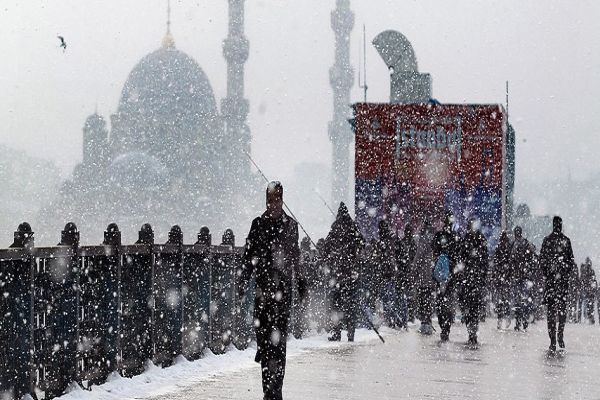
<point>272,255</point>
<point>501,280</point>
<point>406,277</point>
<point>424,278</point>
<point>557,262</point>
<point>386,258</point>
<point>474,256</point>
<point>343,246</point>
<point>521,265</point>
<point>589,286</point>
<point>445,247</point>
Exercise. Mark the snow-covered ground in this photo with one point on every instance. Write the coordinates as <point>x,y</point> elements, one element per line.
<point>508,365</point>
<point>184,374</point>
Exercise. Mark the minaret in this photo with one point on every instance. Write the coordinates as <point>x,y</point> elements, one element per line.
<point>234,107</point>
<point>341,77</point>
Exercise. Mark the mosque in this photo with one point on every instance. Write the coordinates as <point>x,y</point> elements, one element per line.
<point>171,157</point>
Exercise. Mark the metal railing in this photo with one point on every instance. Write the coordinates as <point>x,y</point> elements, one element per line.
<point>74,313</point>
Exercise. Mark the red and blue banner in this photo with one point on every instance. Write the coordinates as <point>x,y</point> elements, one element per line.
<point>418,161</point>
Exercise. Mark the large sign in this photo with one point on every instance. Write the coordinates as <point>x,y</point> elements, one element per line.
<point>418,161</point>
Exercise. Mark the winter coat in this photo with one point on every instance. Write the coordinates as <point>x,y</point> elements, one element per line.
<point>405,257</point>
<point>557,262</point>
<point>501,274</point>
<point>474,258</point>
<point>521,258</point>
<point>423,263</point>
<point>343,246</point>
<point>385,253</point>
<point>272,254</point>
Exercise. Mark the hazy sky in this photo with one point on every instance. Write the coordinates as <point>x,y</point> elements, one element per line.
<point>548,50</point>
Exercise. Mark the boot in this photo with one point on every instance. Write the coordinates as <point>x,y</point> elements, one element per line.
<point>445,335</point>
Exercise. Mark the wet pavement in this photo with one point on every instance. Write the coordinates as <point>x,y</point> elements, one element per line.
<point>507,365</point>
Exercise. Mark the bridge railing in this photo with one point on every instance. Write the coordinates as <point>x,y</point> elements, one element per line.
<point>74,313</point>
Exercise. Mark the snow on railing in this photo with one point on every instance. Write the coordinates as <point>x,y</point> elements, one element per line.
<point>74,313</point>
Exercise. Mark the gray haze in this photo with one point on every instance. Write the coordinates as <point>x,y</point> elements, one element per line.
<point>549,51</point>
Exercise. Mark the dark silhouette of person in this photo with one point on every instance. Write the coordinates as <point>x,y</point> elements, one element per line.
<point>272,255</point>
<point>406,277</point>
<point>557,262</point>
<point>501,279</point>
<point>446,242</point>
<point>589,286</point>
<point>474,255</point>
<point>521,258</point>
<point>343,246</point>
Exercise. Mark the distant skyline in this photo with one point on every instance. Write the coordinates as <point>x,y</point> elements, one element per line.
<point>549,51</point>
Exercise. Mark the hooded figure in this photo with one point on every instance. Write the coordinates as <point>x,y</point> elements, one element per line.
<point>272,255</point>
<point>557,262</point>
<point>474,255</point>
<point>342,248</point>
<point>521,259</point>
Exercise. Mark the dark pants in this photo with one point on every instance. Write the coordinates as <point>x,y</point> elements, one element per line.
<point>344,310</point>
<point>522,305</point>
<point>557,307</point>
<point>503,302</point>
<point>445,307</point>
<point>472,300</point>
<point>425,300</point>
<point>271,340</point>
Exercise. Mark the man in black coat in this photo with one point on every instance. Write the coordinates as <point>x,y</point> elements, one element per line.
<point>343,246</point>
<point>557,262</point>
<point>272,254</point>
<point>474,255</point>
<point>446,242</point>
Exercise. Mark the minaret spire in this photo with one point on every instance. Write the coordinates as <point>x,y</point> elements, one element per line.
<point>168,41</point>
<point>235,107</point>
<point>341,78</point>
<point>168,17</point>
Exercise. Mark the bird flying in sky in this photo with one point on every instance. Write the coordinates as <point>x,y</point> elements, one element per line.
<point>63,44</point>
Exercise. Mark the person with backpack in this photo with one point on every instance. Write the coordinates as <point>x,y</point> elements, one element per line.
<point>557,262</point>
<point>445,247</point>
<point>474,256</point>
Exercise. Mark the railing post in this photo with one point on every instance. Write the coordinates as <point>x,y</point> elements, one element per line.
<point>136,303</point>
<point>109,300</point>
<point>63,317</point>
<point>222,297</point>
<point>168,299</point>
<point>196,296</point>
<point>16,318</point>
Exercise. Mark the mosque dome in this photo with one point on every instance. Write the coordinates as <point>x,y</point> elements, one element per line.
<point>167,107</point>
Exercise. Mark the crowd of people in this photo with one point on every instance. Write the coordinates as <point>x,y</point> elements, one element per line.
<point>437,271</point>
<point>441,272</point>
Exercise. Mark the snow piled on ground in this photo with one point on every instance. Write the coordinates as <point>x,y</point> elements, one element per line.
<point>156,381</point>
